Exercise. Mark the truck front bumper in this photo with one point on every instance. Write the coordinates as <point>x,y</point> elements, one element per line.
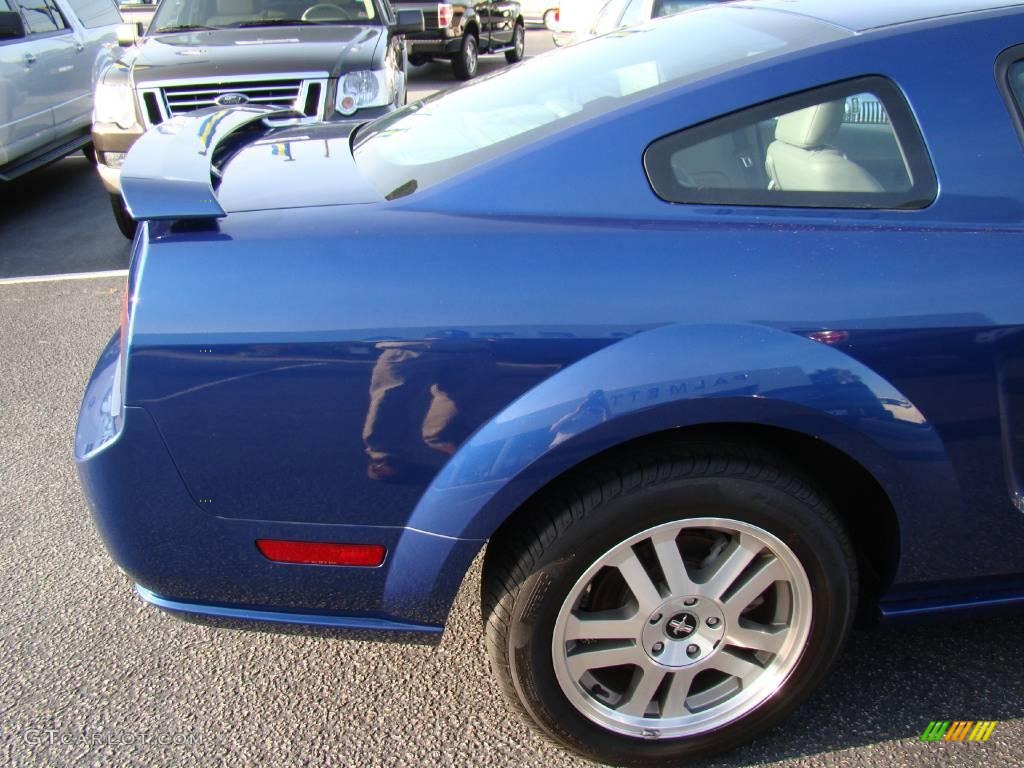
<point>112,143</point>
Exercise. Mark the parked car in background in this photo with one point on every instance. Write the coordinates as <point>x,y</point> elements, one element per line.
<point>136,12</point>
<point>749,364</point>
<point>336,60</point>
<point>540,13</point>
<point>615,14</point>
<point>460,33</point>
<point>573,16</point>
<point>51,52</point>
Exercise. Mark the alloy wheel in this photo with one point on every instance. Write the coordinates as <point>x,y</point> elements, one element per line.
<point>682,628</point>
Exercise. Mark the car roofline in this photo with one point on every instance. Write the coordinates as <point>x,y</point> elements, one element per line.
<point>923,19</point>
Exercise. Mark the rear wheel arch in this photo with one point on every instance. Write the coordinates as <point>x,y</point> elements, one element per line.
<point>862,504</point>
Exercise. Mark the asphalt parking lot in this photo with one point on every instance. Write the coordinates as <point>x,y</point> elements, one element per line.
<point>83,657</point>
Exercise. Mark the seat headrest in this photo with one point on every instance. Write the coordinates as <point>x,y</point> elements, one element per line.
<point>811,127</point>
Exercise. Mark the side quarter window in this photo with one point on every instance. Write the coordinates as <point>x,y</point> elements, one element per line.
<point>853,144</point>
<point>1017,82</point>
<point>1010,74</point>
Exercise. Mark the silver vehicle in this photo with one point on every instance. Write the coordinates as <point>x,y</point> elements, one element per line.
<point>616,14</point>
<point>51,53</point>
<point>542,13</point>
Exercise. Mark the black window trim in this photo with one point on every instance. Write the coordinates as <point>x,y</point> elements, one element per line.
<point>1004,61</point>
<point>924,185</point>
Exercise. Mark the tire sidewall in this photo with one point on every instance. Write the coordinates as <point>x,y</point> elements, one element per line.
<point>125,223</point>
<point>541,596</point>
<point>471,63</point>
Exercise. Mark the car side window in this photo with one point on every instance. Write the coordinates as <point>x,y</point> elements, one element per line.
<point>41,16</point>
<point>850,145</point>
<point>95,13</point>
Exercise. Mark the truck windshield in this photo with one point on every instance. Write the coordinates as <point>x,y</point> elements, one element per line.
<point>190,15</point>
<point>435,139</point>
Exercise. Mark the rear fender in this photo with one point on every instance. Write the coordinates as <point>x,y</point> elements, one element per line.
<point>680,376</point>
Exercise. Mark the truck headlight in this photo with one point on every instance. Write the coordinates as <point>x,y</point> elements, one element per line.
<point>365,88</point>
<point>114,104</point>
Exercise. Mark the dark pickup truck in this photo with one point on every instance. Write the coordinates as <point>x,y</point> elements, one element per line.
<point>460,32</point>
<point>324,59</point>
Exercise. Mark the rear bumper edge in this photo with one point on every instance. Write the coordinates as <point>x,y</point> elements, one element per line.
<point>349,627</point>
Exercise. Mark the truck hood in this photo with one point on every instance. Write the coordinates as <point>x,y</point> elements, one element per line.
<point>255,52</point>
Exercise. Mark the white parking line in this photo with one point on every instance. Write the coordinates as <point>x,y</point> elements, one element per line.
<point>65,276</point>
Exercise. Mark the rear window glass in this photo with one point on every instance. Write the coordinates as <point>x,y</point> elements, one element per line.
<point>433,140</point>
<point>849,145</point>
<point>96,13</point>
<point>608,17</point>
<point>670,7</point>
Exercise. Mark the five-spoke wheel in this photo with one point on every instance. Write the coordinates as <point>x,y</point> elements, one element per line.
<point>682,627</point>
<point>670,607</point>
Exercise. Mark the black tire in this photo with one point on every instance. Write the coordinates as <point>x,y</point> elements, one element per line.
<point>464,63</point>
<point>515,54</point>
<point>532,565</point>
<point>419,59</point>
<point>90,153</point>
<point>124,220</point>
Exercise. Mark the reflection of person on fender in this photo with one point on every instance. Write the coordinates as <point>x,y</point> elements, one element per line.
<point>592,411</point>
<point>439,377</point>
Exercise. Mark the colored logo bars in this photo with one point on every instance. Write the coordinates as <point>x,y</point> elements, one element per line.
<point>958,730</point>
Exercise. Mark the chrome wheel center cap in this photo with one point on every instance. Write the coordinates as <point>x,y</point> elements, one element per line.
<point>681,626</point>
<point>684,631</point>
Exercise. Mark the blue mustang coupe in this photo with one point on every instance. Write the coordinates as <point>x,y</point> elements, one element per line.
<point>710,329</point>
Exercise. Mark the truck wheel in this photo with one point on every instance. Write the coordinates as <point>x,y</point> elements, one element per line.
<point>465,61</point>
<point>518,49</point>
<point>90,153</point>
<point>670,606</point>
<point>124,220</point>
<point>418,59</point>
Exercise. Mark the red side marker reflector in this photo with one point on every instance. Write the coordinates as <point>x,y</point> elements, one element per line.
<point>322,553</point>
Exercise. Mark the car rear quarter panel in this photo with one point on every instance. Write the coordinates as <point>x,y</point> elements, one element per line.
<point>542,324</point>
<point>264,394</point>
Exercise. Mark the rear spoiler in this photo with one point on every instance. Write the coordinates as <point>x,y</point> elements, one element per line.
<point>168,173</point>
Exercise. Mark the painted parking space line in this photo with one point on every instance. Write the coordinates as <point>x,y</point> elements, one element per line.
<point>65,276</point>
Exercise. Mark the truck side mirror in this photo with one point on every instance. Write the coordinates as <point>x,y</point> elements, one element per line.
<point>128,34</point>
<point>408,21</point>
<point>12,25</point>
